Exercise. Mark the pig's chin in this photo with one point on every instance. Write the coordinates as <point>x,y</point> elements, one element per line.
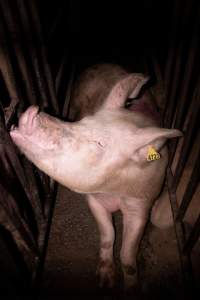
<point>17,137</point>
<point>26,144</point>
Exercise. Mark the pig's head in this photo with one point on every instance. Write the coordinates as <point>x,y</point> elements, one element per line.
<point>88,155</point>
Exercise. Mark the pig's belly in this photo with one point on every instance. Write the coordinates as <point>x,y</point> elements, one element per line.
<point>110,202</point>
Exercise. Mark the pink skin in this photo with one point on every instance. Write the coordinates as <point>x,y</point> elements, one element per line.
<point>103,155</point>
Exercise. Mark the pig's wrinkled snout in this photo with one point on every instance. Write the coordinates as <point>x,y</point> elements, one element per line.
<point>26,126</point>
<point>27,121</point>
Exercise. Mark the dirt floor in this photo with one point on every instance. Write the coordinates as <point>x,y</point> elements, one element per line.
<point>73,254</point>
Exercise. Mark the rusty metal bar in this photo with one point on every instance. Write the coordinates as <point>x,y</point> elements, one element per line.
<point>193,237</point>
<point>191,187</point>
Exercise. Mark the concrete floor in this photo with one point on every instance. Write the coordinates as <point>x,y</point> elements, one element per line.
<point>73,254</point>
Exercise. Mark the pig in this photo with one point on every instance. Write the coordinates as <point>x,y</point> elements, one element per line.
<point>104,154</point>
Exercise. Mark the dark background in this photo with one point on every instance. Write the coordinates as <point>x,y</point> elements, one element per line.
<point>107,30</point>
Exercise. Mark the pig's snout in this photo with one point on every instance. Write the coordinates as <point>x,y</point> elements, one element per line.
<point>27,121</point>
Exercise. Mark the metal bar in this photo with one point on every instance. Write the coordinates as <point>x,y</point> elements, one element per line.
<point>11,220</point>
<point>186,265</point>
<point>187,75</point>
<point>55,24</point>
<point>29,172</point>
<point>170,111</point>
<point>186,147</point>
<point>13,158</point>
<point>66,105</point>
<point>177,9</point>
<point>6,66</point>
<point>34,58</point>
<point>14,219</point>
<point>60,73</point>
<point>47,73</point>
<point>183,98</point>
<point>15,35</point>
<point>10,111</point>
<point>191,187</point>
<point>193,237</point>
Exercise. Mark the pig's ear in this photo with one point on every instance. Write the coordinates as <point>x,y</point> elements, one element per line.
<point>151,137</point>
<point>128,87</point>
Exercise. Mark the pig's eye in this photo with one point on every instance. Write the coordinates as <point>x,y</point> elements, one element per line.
<point>101,144</point>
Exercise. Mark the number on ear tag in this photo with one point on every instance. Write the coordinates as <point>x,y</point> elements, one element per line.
<point>152,154</point>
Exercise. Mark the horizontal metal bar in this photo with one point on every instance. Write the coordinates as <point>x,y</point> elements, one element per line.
<point>191,187</point>
<point>193,237</point>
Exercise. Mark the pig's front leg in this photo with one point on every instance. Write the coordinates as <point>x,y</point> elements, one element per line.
<point>134,221</point>
<point>106,269</point>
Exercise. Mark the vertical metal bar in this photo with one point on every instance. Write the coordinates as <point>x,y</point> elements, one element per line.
<point>188,138</point>
<point>177,9</point>
<point>183,97</point>
<point>60,72</point>
<point>191,187</point>
<point>187,75</point>
<point>33,14</point>
<point>186,265</point>
<point>65,111</point>
<point>14,32</point>
<point>177,73</point>
<point>28,37</point>
<point>18,229</point>
<point>193,237</point>
<point>55,24</point>
<point>13,158</point>
<point>6,67</point>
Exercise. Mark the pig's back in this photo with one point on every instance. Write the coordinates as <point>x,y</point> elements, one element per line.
<point>92,87</point>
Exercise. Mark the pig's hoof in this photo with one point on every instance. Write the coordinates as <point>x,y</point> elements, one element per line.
<point>130,278</point>
<point>106,274</point>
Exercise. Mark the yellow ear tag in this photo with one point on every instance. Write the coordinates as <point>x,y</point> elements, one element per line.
<point>152,154</point>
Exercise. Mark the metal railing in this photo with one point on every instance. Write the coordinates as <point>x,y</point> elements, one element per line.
<point>179,90</point>
<point>27,195</point>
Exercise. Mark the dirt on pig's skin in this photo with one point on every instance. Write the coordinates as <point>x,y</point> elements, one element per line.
<point>72,256</point>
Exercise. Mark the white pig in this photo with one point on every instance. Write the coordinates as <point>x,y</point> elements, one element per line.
<point>104,154</point>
